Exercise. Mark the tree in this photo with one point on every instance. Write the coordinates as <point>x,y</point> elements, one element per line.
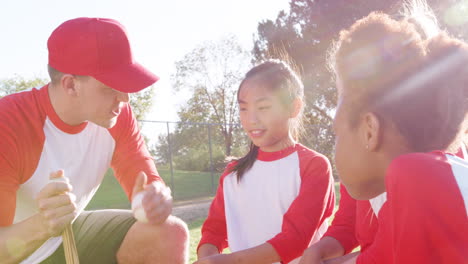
<point>212,73</point>
<point>17,84</point>
<point>141,102</point>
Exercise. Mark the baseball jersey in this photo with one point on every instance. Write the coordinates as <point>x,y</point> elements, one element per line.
<point>425,219</point>
<point>35,142</point>
<point>355,223</point>
<point>284,199</point>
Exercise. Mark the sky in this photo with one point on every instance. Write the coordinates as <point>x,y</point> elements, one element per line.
<point>160,33</point>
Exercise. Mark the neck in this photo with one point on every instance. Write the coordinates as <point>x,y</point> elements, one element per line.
<point>392,147</point>
<point>64,106</point>
<point>285,143</point>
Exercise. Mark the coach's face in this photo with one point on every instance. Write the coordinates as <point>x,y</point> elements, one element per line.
<point>99,103</point>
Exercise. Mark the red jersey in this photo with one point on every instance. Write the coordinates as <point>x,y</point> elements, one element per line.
<point>355,223</point>
<point>425,219</point>
<point>284,199</point>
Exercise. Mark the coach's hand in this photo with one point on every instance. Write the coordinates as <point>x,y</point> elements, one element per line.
<point>157,200</point>
<point>56,204</point>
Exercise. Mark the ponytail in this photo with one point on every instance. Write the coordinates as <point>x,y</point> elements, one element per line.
<point>245,163</point>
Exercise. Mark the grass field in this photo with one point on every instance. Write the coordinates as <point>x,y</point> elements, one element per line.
<point>187,185</point>
<point>195,235</point>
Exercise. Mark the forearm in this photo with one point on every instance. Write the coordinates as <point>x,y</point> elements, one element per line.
<point>347,259</point>
<point>328,247</point>
<point>206,250</point>
<point>264,253</point>
<point>20,240</point>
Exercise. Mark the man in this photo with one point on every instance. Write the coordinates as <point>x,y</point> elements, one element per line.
<point>74,128</point>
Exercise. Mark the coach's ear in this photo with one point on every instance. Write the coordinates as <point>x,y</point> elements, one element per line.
<point>140,183</point>
<point>69,83</point>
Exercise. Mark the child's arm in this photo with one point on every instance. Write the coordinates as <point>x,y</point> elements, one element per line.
<point>326,248</point>
<point>214,230</point>
<point>340,238</point>
<point>343,227</point>
<point>263,254</point>
<point>346,259</point>
<point>308,212</point>
<point>207,250</point>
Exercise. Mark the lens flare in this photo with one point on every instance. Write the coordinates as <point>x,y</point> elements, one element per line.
<point>457,14</point>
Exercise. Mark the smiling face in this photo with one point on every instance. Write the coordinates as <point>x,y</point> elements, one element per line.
<point>99,103</point>
<point>264,117</point>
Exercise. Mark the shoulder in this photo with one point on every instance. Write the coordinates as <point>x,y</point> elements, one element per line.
<point>415,167</point>
<point>19,102</point>
<point>125,117</point>
<point>126,122</point>
<point>229,170</point>
<point>309,157</point>
<point>314,166</point>
<point>20,111</point>
<point>419,175</point>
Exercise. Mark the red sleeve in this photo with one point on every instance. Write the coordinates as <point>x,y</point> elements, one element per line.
<point>379,252</point>
<point>21,142</point>
<point>130,154</point>
<point>309,210</point>
<point>9,180</point>
<point>343,227</point>
<point>427,211</point>
<point>214,230</point>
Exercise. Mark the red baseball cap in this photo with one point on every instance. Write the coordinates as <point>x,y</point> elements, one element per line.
<point>98,47</point>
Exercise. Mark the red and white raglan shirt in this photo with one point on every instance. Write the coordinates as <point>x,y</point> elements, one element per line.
<point>34,142</point>
<point>425,219</point>
<point>284,199</point>
<point>356,222</point>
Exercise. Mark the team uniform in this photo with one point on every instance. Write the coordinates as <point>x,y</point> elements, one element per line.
<point>425,219</point>
<point>284,199</point>
<point>356,222</point>
<point>35,142</point>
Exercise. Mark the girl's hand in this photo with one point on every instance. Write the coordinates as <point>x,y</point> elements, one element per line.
<point>217,259</point>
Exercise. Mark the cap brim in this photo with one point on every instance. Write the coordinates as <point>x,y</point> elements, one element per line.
<point>128,79</point>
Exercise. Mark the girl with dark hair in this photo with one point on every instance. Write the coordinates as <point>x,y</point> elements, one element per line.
<point>356,221</point>
<point>272,203</point>
<point>402,106</point>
